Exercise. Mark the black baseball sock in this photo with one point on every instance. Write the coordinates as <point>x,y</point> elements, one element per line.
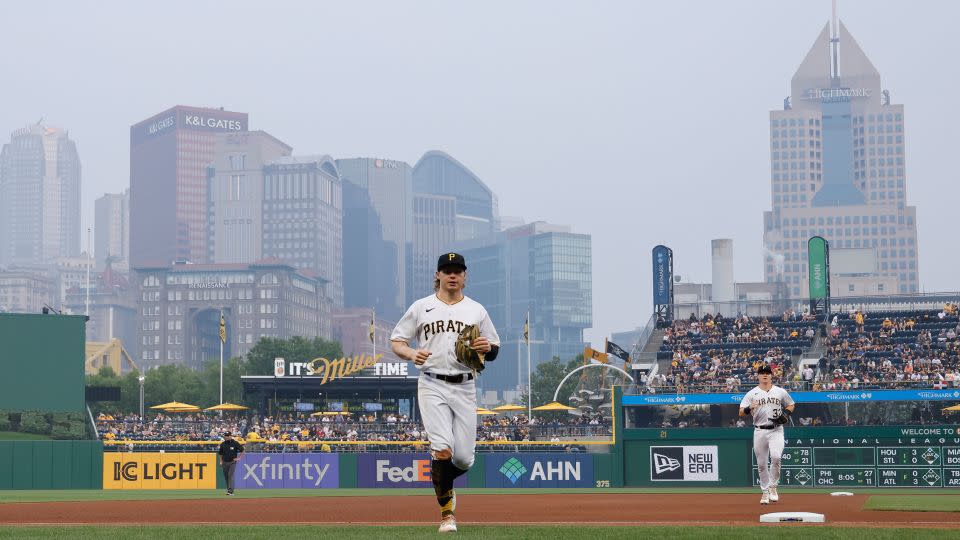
<point>457,472</point>
<point>442,475</point>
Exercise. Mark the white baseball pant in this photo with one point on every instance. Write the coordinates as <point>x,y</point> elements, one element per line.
<point>449,413</point>
<point>768,445</point>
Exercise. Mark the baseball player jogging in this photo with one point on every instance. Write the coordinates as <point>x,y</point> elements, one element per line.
<point>454,337</point>
<point>770,406</point>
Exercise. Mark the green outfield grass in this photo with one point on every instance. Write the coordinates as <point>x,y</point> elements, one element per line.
<point>487,532</point>
<point>14,496</point>
<point>933,502</point>
<point>17,436</point>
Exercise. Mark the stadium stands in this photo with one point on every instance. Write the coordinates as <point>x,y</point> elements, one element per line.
<point>389,427</point>
<point>717,354</point>
<point>892,349</point>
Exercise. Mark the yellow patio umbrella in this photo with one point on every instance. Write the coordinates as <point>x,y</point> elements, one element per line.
<point>172,405</point>
<point>953,408</point>
<point>554,406</point>
<point>191,408</point>
<point>227,407</point>
<point>505,408</point>
<point>484,412</point>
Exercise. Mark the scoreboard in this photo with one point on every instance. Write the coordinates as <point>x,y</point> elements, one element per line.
<point>932,462</point>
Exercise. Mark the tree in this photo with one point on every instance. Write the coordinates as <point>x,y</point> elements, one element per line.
<point>547,376</point>
<point>232,387</point>
<point>296,349</point>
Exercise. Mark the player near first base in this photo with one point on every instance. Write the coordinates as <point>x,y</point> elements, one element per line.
<point>770,408</point>
<point>446,388</point>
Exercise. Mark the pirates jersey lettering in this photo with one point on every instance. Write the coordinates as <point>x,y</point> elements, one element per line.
<point>435,325</point>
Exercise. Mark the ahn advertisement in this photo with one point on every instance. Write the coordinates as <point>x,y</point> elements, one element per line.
<point>684,464</point>
<point>539,470</point>
<point>397,471</point>
<point>156,470</point>
<point>288,471</point>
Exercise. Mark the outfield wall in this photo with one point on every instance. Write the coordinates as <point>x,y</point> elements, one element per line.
<point>822,457</point>
<point>84,465</point>
<point>51,464</point>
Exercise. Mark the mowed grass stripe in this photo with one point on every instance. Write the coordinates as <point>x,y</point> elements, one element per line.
<point>487,532</point>
<point>932,502</point>
<point>21,496</point>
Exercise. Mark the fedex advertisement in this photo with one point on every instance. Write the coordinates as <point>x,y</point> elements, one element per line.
<point>397,470</point>
<point>300,471</point>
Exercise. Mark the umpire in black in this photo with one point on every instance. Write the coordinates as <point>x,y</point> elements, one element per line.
<point>230,453</point>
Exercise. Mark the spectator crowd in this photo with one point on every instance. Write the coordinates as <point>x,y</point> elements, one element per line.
<point>894,349</point>
<point>719,354</point>
<point>343,428</point>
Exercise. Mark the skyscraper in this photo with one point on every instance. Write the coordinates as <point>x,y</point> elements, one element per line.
<point>111,230</point>
<point>39,196</point>
<point>438,175</point>
<point>169,156</point>
<point>236,194</point>
<point>377,232</point>
<point>837,169</point>
<point>434,232</point>
<point>303,219</point>
<point>539,268</point>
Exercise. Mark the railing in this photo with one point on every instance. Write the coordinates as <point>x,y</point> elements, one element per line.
<point>334,446</point>
<point>644,335</point>
<point>919,301</point>
<point>787,385</point>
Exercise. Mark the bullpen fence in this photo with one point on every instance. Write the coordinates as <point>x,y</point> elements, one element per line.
<point>51,464</point>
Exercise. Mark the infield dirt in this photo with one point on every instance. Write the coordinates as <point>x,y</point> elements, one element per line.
<point>622,509</point>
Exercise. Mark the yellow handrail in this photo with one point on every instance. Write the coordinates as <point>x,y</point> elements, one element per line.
<point>397,443</point>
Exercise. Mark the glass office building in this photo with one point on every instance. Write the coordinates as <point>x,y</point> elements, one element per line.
<point>539,268</point>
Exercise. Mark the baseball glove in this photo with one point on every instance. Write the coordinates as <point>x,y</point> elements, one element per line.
<point>783,418</point>
<point>466,355</point>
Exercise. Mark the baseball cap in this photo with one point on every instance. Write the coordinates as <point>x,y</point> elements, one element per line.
<point>451,259</point>
<point>226,434</point>
<point>764,370</point>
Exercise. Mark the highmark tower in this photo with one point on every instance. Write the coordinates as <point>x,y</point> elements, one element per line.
<point>837,170</point>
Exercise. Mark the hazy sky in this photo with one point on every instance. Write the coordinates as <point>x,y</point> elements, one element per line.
<point>637,122</point>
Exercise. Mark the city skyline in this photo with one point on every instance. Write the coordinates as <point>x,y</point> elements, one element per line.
<point>580,111</point>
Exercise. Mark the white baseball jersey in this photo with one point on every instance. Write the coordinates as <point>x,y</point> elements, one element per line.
<point>770,404</point>
<point>435,325</point>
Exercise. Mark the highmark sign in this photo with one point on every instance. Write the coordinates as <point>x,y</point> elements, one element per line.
<point>800,397</point>
<point>831,95</point>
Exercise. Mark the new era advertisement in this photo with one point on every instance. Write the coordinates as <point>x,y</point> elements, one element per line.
<point>155,470</point>
<point>291,471</point>
<point>684,464</point>
<point>539,470</point>
<point>397,470</point>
